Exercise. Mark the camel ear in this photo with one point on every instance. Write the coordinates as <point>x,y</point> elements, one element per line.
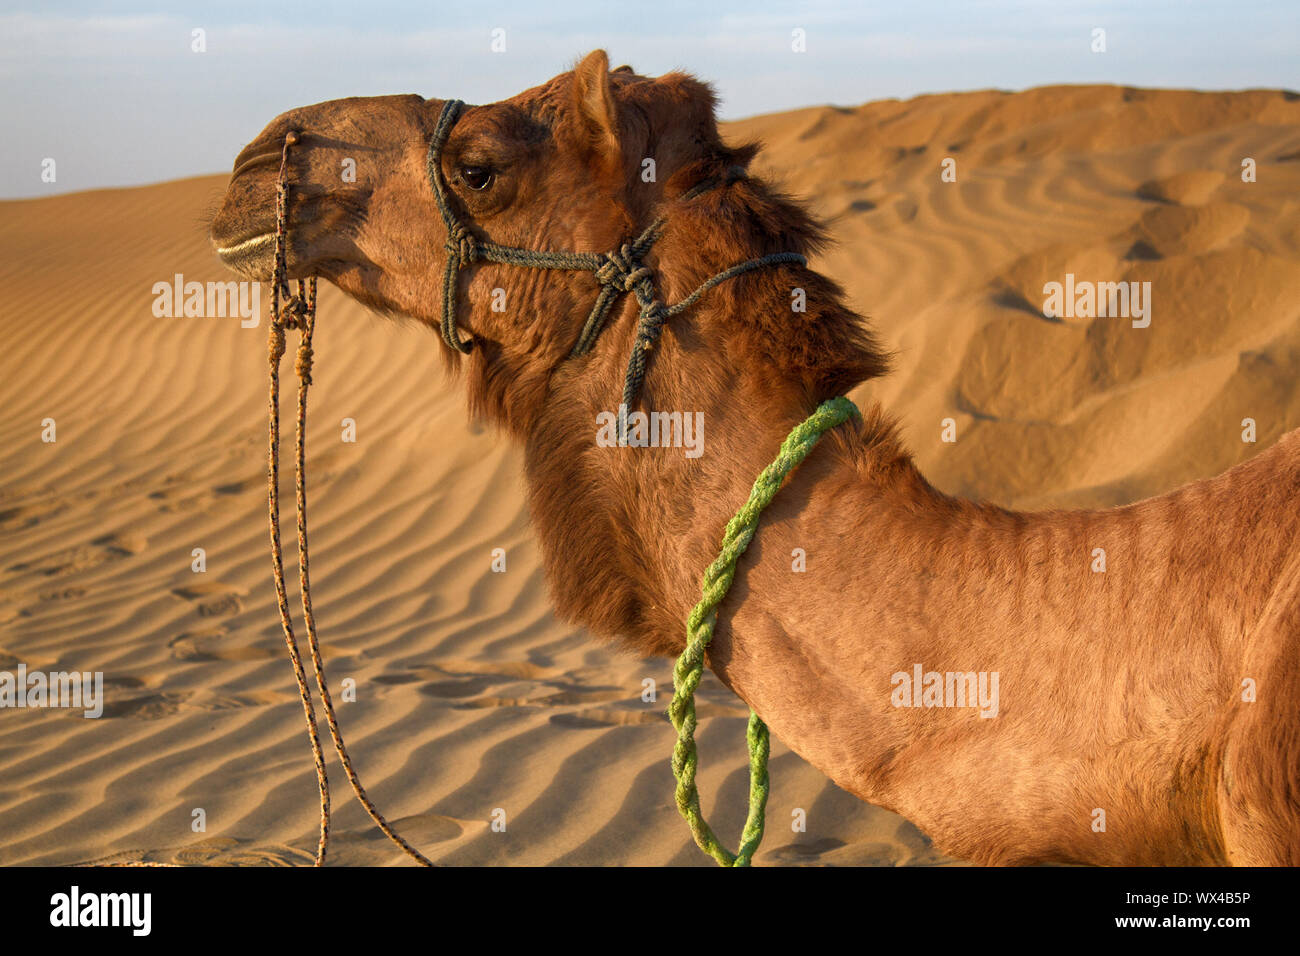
<point>595,101</point>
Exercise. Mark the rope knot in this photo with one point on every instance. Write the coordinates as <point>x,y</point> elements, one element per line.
<point>651,323</point>
<point>614,267</point>
<point>275,345</point>
<point>462,244</point>
<point>302,365</point>
<point>293,312</point>
<point>622,269</point>
<point>636,275</point>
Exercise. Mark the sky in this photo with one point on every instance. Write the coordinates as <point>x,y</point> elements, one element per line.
<point>116,94</point>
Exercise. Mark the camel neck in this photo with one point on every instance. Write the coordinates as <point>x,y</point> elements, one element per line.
<point>627,529</point>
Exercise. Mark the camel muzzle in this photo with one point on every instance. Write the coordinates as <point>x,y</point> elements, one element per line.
<point>243,233</point>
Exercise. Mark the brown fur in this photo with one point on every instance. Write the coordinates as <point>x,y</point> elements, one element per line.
<point>1120,691</point>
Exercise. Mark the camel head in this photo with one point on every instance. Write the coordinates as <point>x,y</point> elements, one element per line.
<point>582,163</point>
<point>560,167</point>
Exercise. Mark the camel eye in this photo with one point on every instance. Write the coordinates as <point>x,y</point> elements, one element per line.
<point>476,177</point>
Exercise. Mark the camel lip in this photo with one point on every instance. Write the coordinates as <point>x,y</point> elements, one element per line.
<point>243,248</point>
<point>252,257</point>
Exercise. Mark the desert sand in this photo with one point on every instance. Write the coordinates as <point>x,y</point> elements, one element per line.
<point>471,696</point>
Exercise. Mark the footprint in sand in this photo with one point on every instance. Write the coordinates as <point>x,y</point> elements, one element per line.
<point>361,847</point>
<point>422,829</point>
<point>148,707</point>
<point>466,678</point>
<point>216,645</point>
<point>397,679</point>
<point>468,683</point>
<point>56,594</point>
<point>598,717</point>
<point>212,598</point>
<point>810,851</point>
<point>180,499</point>
<point>632,713</point>
<point>463,687</point>
<point>180,494</point>
<point>266,855</point>
<point>26,516</point>
<point>131,683</point>
<point>208,700</point>
<point>151,706</point>
<point>215,851</point>
<point>246,486</point>
<point>102,550</point>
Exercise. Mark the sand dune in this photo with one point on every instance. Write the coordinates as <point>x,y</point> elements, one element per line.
<point>470,695</point>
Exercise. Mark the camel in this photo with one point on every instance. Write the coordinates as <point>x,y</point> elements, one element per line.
<point>1144,714</point>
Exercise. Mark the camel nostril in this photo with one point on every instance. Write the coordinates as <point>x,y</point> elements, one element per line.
<point>243,165</point>
<point>270,154</point>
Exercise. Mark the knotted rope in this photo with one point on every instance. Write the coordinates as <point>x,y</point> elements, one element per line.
<point>299,312</point>
<point>699,632</point>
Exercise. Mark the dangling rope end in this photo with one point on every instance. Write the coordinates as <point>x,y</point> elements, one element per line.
<point>299,312</point>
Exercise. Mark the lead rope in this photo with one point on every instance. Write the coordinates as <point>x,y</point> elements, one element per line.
<point>300,313</point>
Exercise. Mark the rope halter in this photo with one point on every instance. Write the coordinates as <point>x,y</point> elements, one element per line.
<point>619,272</point>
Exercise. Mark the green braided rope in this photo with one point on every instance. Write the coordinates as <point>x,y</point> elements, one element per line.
<point>699,632</point>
